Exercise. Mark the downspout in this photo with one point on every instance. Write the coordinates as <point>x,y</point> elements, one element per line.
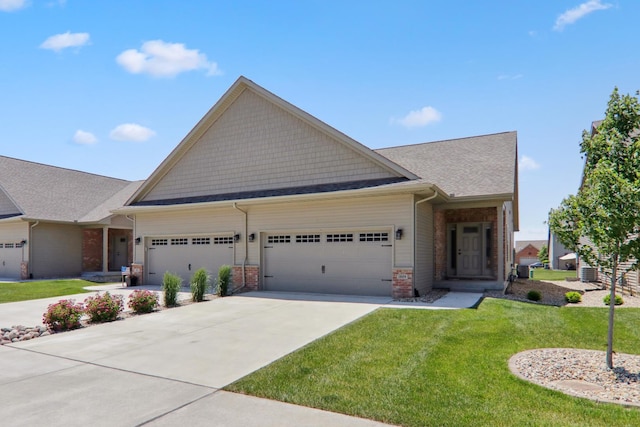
<point>31,246</point>
<point>415,231</point>
<point>246,248</point>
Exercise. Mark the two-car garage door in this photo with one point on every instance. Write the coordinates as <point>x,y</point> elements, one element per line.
<point>357,263</point>
<point>183,255</point>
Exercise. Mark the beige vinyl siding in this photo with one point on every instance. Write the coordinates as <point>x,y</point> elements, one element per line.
<point>6,205</point>
<point>256,145</point>
<point>121,221</point>
<point>56,250</point>
<point>10,258</point>
<point>423,277</point>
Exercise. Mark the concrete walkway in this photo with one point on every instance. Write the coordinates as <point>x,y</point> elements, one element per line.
<point>168,367</point>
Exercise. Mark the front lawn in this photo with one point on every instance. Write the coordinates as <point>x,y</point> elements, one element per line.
<point>422,367</point>
<point>12,292</point>
<point>543,274</point>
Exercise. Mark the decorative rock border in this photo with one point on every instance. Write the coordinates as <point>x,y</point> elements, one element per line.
<point>581,373</point>
<point>21,333</point>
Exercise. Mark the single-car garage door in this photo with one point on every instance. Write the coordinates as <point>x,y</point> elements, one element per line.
<point>185,254</point>
<point>355,263</point>
<point>10,259</point>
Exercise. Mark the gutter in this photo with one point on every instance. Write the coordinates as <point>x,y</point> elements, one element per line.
<point>246,248</point>
<point>415,231</point>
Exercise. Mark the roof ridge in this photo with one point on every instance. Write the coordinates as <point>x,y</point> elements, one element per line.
<point>446,140</point>
<point>63,168</point>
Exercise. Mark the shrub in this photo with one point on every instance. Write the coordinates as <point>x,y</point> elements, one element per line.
<point>143,301</point>
<point>534,295</point>
<point>63,315</point>
<point>199,283</point>
<point>618,300</point>
<point>224,276</point>
<point>171,284</point>
<point>573,297</point>
<point>104,308</point>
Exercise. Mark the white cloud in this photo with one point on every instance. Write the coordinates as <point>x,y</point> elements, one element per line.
<point>527,164</point>
<point>161,59</point>
<point>84,138</point>
<point>65,40</point>
<point>11,5</point>
<point>131,132</point>
<point>578,12</point>
<point>419,118</point>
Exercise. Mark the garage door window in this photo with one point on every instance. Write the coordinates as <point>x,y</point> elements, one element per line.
<point>279,239</point>
<point>335,238</point>
<point>223,240</point>
<point>201,241</point>
<point>308,238</point>
<point>159,242</point>
<point>8,245</point>
<point>374,237</point>
<point>179,242</point>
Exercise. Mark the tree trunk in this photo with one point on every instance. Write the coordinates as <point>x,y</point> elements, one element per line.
<point>612,304</point>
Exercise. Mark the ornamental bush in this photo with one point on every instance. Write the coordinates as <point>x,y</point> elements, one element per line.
<point>618,300</point>
<point>171,284</point>
<point>534,295</point>
<point>224,277</point>
<point>104,308</point>
<point>143,301</point>
<point>573,297</point>
<point>199,283</point>
<point>63,315</point>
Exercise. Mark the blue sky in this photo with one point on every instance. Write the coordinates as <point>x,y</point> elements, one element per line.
<point>111,87</point>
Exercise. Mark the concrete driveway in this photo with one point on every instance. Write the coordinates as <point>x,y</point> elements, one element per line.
<point>167,368</point>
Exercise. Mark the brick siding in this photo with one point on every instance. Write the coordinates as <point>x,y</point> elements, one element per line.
<point>402,285</point>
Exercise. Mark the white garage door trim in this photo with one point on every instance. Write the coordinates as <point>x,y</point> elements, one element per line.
<point>184,254</point>
<point>357,262</point>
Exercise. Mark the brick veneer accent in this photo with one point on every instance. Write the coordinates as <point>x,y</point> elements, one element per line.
<point>24,270</point>
<point>251,276</point>
<point>402,285</point>
<point>92,249</point>
<point>442,217</point>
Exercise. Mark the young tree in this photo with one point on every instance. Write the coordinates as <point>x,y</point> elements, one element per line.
<point>602,221</point>
<point>543,254</point>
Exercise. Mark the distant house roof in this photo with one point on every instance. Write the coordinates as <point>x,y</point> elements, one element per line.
<point>520,245</point>
<point>49,193</point>
<point>465,167</point>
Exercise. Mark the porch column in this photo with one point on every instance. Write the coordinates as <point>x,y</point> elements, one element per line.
<point>500,244</point>
<point>105,249</point>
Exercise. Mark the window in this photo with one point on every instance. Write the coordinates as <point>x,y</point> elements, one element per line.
<point>1,245</point>
<point>335,238</point>
<point>279,239</point>
<point>8,245</point>
<point>223,240</point>
<point>159,242</point>
<point>308,238</point>
<point>179,241</point>
<point>374,237</point>
<point>201,241</point>
<point>469,230</point>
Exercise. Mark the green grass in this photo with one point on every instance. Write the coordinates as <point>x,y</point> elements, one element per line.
<point>447,368</point>
<point>542,274</point>
<point>12,292</point>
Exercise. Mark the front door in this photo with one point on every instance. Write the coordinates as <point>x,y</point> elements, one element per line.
<point>469,262</point>
<point>120,252</point>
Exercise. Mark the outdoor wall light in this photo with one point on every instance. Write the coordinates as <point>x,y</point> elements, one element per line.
<point>24,242</point>
<point>252,237</point>
<point>399,234</point>
<point>138,240</point>
<point>236,237</point>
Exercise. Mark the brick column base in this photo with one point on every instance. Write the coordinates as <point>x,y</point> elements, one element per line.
<point>251,277</point>
<point>402,285</point>
<point>137,270</point>
<point>24,270</point>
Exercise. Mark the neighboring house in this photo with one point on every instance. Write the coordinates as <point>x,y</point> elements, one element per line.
<point>294,205</point>
<point>57,222</point>
<point>556,251</point>
<point>527,251</point>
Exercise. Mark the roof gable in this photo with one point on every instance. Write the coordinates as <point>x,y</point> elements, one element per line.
<point>51,193</point>
<point>252,141</point>
<point>523,244</point>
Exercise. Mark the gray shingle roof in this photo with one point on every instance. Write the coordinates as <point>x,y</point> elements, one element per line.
<point>474,166</point>
<point>521,244</point>
<point>51,193</point>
